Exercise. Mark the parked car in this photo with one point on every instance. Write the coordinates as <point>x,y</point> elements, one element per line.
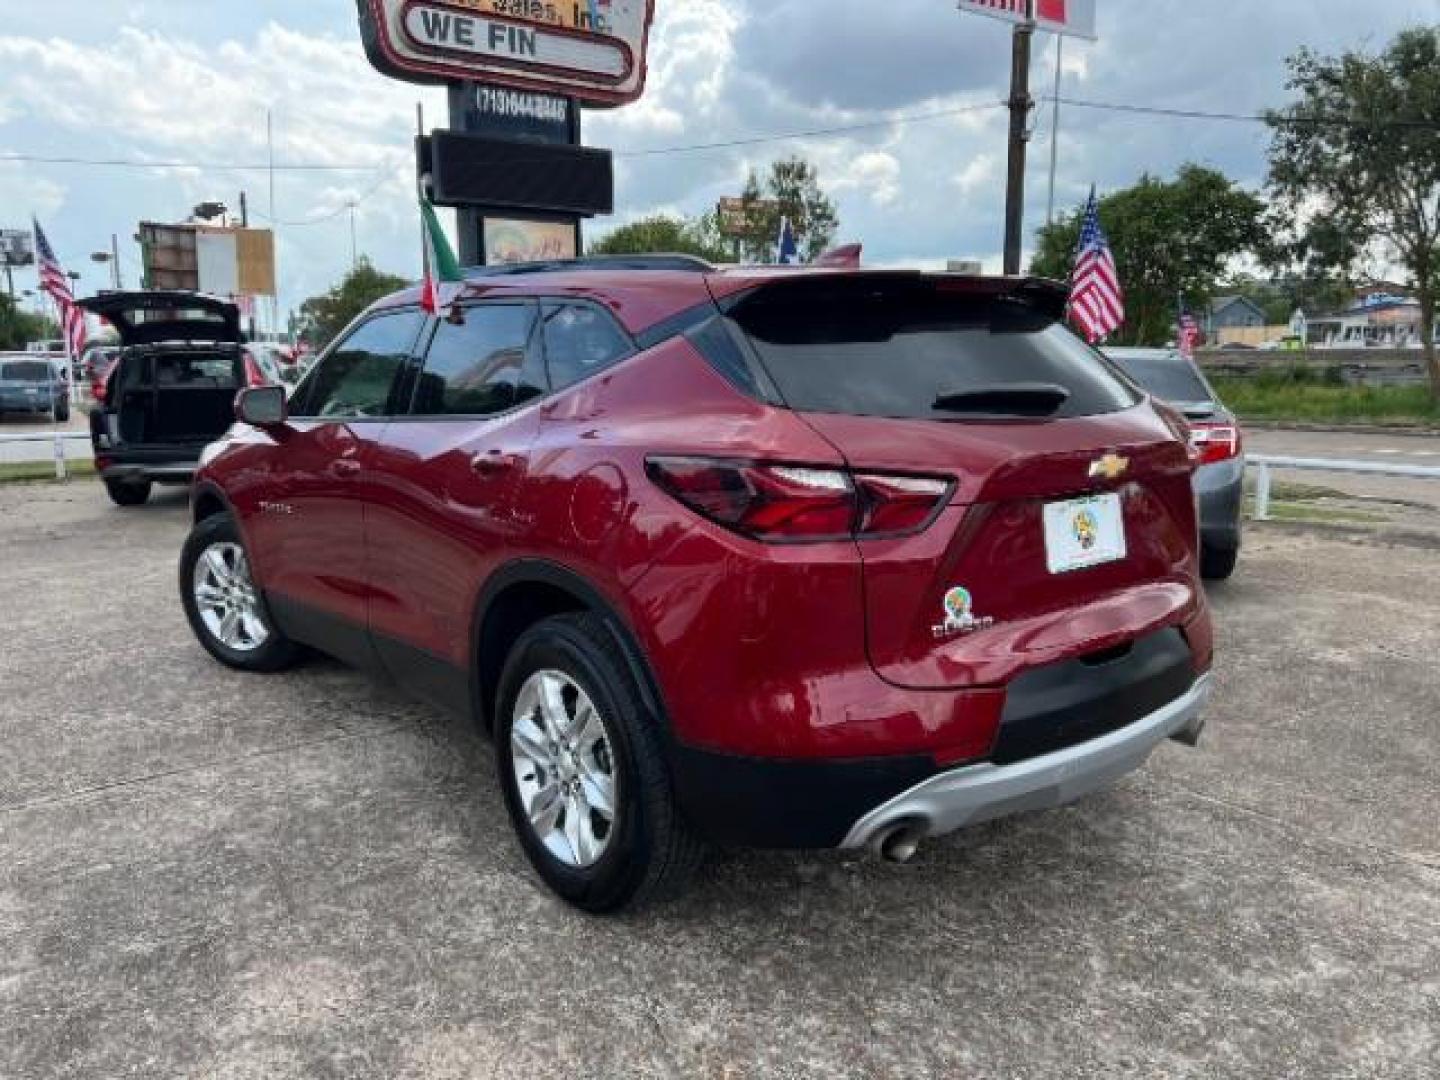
<point>171,392</point>
<point>35,385</point>
<point>790,558</point>
<point>1218,446</point>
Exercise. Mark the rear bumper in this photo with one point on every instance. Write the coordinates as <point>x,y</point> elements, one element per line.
<point>978,793</point>
<point>181,472</point>
<point>813,804</point>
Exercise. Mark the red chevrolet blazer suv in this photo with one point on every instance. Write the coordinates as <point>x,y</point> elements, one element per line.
<point>779,557</point>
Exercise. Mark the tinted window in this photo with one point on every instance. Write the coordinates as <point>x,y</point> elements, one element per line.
<point>27,371</point>
<point>895,349</point>
<point>579,341</point>
<point>1170,378</point>
<point>356,378</point>
<point>199,372</point>
<point>482,366</point>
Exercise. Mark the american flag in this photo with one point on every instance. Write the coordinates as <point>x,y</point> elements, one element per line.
<point>1097,303</point>
<point>1189,331</point>
<point>56,284</point>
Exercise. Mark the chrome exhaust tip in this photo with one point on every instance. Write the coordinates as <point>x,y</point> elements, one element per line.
<point>898,843</point>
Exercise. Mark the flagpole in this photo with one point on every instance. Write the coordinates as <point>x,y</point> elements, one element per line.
<point>420,191</point>
<point>1054,128</point>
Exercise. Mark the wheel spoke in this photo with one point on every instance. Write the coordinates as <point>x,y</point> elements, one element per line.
<point>254,629</point>
<point>599,789</point>
<point>552,707</point>
<point>587,729</point>
<point>544,809</point>
<point>580,832</point>
<point>527,738</point>
<point>215,563</point>
<point>228,625</point>
<point>208,595</point>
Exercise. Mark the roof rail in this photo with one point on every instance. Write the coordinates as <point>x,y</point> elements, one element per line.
<point>689,264</point>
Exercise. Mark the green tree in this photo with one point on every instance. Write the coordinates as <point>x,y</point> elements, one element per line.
<point>19,327</point>
<point>1357,157</point>
<point>791,189</point>
<point>1170,239</point>
<point>662,234</point>
<point>323,317</point>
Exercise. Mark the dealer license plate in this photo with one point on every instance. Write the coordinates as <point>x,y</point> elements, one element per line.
<point>1084,532</point>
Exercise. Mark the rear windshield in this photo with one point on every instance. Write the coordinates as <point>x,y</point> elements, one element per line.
<point>1170,378</point>
<point>185,371</point>
<point>898,351</point>
<point>27,371</point>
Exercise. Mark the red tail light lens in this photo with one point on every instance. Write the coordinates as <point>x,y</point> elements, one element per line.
<point>898,504</point>
<point>253,375</point>
<point>1211,442</point>
<point>790,502</point>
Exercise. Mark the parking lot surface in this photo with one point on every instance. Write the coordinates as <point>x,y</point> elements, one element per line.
<point>204,873</point>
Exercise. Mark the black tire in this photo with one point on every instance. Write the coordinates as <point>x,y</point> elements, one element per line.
<point>651,851</point>
<point>1217,564</point>
<point>277,652</point>
<point>127,493</point>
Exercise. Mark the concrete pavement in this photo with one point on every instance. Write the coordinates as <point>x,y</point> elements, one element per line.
<point>309,875</point>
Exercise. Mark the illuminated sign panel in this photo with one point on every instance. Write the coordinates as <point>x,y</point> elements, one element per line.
<point>594,51</point>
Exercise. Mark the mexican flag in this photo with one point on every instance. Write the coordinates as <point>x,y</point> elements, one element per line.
<point>441,266</point>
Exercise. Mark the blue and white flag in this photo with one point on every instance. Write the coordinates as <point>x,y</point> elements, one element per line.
<point>786,253</point>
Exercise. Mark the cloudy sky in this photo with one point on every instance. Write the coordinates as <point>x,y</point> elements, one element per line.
<point>187,83</point>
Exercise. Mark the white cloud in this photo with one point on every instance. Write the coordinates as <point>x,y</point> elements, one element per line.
<point>172,80</point>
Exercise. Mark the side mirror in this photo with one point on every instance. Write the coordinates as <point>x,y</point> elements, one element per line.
<point>262,406</point>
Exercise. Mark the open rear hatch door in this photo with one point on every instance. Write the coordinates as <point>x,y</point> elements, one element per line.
<point>1069,529</point>
<point>145,318</point>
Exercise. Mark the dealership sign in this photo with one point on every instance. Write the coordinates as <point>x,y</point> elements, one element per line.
<point>593,50</point>
<point>1072,18</point>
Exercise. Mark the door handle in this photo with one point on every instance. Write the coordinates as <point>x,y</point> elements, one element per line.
<point>345,469</point>
<point>495,461</point>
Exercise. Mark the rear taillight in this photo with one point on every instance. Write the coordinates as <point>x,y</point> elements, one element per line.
<point>253,375</point>
<point>793,502</point>
<point>1211,442</point>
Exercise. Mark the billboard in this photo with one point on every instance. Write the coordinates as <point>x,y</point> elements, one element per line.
<point>1073,18</point>
<point>17,247</point>
<point>593,50</point>
<point>508,240</point>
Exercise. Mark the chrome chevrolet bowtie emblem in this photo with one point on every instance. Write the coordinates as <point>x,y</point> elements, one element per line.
<point>1109,467</point>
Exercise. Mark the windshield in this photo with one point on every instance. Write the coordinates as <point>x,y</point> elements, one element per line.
<point>911,350</point>
<point>1170,378</point>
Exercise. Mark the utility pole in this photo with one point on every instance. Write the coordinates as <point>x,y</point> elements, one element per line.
<point>354,247</point>
<point>244,212</point>
<point>115,261</point>
<point>1020,105</point>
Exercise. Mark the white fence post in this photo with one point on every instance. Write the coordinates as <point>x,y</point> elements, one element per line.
<point>1262,493</point>
<point>1263,463</point>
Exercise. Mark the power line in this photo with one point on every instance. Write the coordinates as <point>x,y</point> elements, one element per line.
<point>817,133</point>
<point>1250,118</point>
<point>753,140</point>
<point>135,163</point>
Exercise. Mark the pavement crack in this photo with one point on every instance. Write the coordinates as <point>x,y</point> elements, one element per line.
<point>182,770</point>
<point>1424,863</point>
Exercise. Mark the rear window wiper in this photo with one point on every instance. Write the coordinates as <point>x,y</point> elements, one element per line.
<point>1004,399</point>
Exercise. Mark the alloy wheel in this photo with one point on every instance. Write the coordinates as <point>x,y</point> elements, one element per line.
<point>226,598</point>
<point>564,768</point>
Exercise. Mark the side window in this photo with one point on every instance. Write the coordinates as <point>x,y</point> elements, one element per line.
<point>579,341</point>
<point>357,377</point>
<point>482,366</point>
